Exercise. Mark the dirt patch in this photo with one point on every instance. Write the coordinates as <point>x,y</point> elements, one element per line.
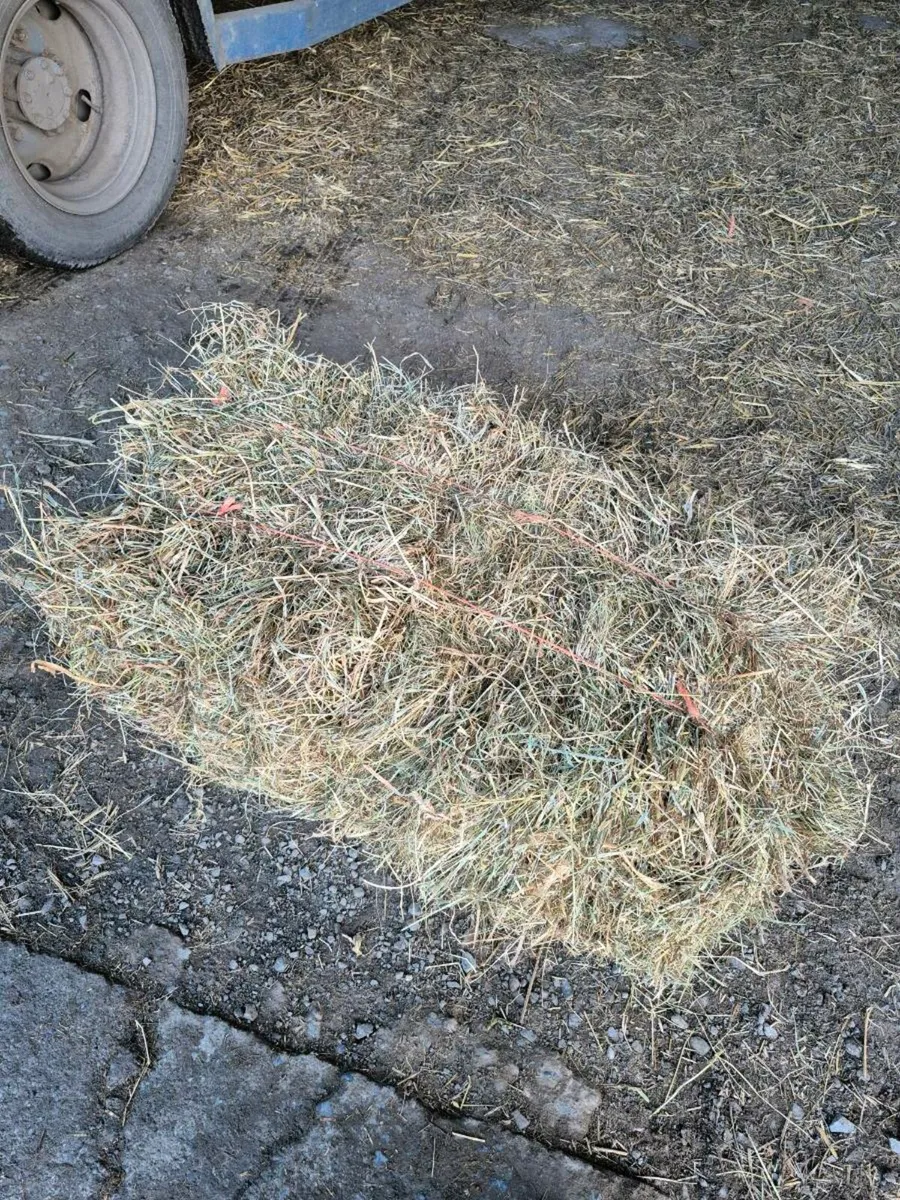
<point>421,183</point>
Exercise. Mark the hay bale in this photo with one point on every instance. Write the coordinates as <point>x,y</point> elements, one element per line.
<point>529,683</point>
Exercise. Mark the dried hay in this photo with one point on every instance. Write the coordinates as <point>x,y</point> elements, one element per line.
<point>529,683</point>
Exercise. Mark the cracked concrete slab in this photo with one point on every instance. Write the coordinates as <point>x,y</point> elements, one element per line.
<point>367,1141</point>
<point>103,1096</point>
<point>61,1031</point>
<point>214,1102</point>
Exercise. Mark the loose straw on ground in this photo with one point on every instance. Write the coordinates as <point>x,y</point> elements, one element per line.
<point>521,676</point>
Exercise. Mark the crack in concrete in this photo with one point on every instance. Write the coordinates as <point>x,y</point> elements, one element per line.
<point>139,1045</point>
<point>149,998</point>
<point>286,1141</point>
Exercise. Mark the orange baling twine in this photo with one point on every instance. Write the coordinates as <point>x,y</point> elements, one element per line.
<point>685,707</point>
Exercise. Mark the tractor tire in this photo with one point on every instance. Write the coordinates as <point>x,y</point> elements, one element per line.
<point>93,118</point>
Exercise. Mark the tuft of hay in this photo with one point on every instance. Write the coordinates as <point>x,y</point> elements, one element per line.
<point>528,682</point>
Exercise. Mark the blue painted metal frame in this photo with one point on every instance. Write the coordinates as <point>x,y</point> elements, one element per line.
<point>275,28</point>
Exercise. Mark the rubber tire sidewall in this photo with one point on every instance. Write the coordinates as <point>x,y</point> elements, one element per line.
<point>33,228</point>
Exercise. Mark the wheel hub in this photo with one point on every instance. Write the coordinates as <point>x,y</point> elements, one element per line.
<point>77,101</point>
<point>44,93</point>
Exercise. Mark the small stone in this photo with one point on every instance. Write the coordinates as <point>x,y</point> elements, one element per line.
<point>854,1049</point>
<point>233,964</point>
<point>796,1113</point>
<point>468,963</point>
<point>251,1012</point>
<point>700,1046</point>
<point>613,1034</point>
<point>574,1020</point>
<point>520,1121</point>
<point>363,1030</point>
<point>563,986</point>
<point>379,1159</point>
<point>279,966</point>
<point>678,1021</point>
<point>842,1125</point>
<point>770,1032</point>
<point>894,1146</point>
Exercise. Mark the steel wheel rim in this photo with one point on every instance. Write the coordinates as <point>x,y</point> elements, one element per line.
<point>77,102</point>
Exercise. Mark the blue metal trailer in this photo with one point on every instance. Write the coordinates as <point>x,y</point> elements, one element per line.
<point>275,28</point>
<point>93,108</point>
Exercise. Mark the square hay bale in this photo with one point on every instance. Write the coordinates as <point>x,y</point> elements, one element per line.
<point>530,683</point>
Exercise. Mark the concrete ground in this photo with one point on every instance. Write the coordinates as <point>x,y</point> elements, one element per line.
<point>103,1094</point>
